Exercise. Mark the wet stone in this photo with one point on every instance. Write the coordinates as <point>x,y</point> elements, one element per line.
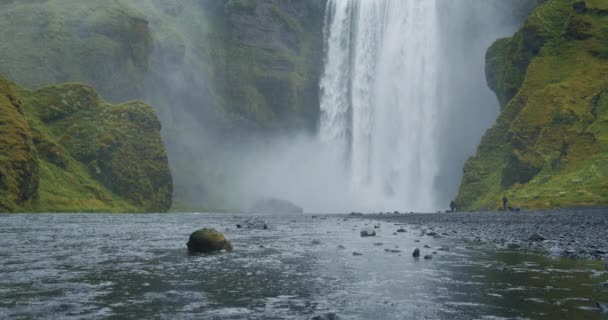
<point>416,253</point>
<point>537,238</point>
<point>428,257</point>
<point>326,316</point>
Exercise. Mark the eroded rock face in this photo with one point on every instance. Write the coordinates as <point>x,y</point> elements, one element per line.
<point>208,240</point>
<point>550,132</point>
<point>103,43</point>
<point>19,176</point>
<point>68,129</point>
<point>121,144</point>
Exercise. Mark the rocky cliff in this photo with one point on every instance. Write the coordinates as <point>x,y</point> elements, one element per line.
<point>213,69</point>
<point>549,146</point>
<point>65,149</point>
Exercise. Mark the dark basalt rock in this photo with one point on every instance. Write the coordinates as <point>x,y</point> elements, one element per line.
<point>368,232</point>
<point>326,316</point>
<point>416,253</point>
<point>208,240</point>
<point>537,238</point>
<point>428,257</point>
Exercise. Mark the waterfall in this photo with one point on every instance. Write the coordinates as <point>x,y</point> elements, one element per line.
<point>379,101</point>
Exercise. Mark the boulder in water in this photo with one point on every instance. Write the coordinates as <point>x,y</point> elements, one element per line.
<point>253,223</point>
<point>208,240</point>
<point>326,316</point>
<point>275,206</point>
<point>603,306</point>
<point>368,232</point>
<point>416,253</point>
<point>537,238</point>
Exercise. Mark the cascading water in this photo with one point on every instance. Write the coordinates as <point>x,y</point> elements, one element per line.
<point>379,98</point>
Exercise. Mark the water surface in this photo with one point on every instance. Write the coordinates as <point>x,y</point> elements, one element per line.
<point>91,266</point>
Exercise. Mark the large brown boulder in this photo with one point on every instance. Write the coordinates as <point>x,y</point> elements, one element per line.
<point>208,240</point>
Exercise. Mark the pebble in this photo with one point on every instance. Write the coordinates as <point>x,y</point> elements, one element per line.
<point>416,253</point>
<point>428,257</point>
<point>326,316</point>
<point>537,238</point>
<point>357,254</point>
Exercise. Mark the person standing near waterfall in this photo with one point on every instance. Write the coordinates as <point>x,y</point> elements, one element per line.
<point>504,202</point>
<point>453,206</point>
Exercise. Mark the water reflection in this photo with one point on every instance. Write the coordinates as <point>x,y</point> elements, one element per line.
<point>120,267</point>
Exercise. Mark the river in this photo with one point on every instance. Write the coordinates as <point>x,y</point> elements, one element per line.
<point>104,266</point>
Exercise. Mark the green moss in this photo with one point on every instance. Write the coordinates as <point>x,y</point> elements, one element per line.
<point>18,158</point>
<point>548,147</point>
<point>64,149</point>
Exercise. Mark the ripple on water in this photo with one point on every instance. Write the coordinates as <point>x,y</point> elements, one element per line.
<point>137,265</point>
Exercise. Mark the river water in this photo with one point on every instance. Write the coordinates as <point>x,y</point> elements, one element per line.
<point>103,266</point>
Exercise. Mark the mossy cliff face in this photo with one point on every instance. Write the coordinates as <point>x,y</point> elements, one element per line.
<point>273,60</point>
<point>102,43</point>
<point>18,159</point>
<point>549,146</point>
<point>210,67</point>
<point>65,149</point>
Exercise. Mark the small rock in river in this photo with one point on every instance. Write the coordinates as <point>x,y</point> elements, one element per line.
<point>513,246</point>
<point>316,241</point>
<point>238,226</point>
<point>357,254</point>
<point>341,247</point>
<point>537,238</point>
<point>416,240</point>
<point>378,244</point>
<point>401,230</point>
<point>416,253</point>
<point>603,306</point>
<point>426,246</point>
<point>326,316</point>
<point>368,232</point>
<point>605,284</point>
<point>431,234</point>
<point>428,257</point>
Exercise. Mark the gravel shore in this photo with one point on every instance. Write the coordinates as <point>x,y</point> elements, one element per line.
<point>573,233</point>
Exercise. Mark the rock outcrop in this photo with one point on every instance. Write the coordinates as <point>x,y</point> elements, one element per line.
<point>209,67</point>
<point>549,145</point>
<point>65,149</point>
<point>275,206</point>
<point>208,240</point>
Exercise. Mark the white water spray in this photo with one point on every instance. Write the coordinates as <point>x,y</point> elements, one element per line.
<point>379,98</point>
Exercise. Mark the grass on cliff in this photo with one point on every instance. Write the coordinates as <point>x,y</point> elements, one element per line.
<point>549,147</point>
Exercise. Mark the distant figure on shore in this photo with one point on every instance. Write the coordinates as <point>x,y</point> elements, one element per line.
<point>505,201</point>
<point>453,206</point>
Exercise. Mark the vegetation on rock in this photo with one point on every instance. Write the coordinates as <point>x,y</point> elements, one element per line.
<point>224,67</point>
<point>64,149</point>
<point>549,146</point>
